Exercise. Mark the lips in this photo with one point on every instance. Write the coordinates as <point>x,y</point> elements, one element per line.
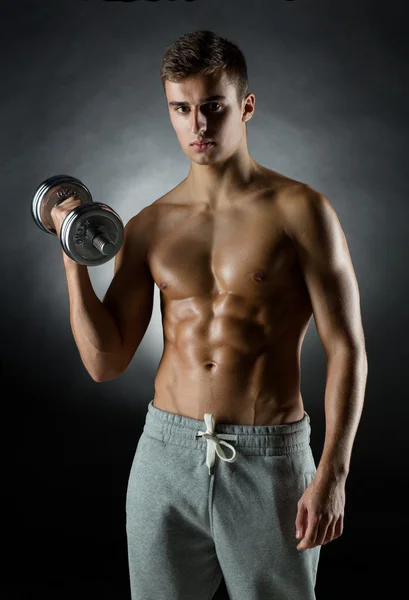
<point>203,147</point>
<point>202,143</point>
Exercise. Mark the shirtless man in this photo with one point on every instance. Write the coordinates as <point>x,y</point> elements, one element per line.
<point>243,257</point>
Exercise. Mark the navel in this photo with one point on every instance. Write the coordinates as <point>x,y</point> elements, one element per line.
<point>210,365</point>
<point>260,276</point>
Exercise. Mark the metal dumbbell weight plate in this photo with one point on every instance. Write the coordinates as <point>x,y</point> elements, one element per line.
<point>53,191</point>
<point>91,234</point>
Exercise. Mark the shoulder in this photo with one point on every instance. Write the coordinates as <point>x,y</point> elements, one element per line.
<point>299,205</point>
<point>313,227</point>
<point>305,209</point>
<point>139,222</point>
<point>140,229</point>
<point>148,215</point>
<point>138,233</point>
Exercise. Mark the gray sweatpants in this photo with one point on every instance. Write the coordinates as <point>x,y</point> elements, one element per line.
<point>207,500</point>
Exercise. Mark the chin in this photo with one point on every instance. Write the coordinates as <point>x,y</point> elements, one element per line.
<point>205,160</point>
<point>197,156</point>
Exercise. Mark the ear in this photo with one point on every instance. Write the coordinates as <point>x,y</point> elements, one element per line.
<point>249,107</point>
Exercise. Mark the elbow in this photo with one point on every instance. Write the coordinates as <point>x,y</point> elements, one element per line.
<point>108,369</point>
<point>97,378</point>
<point>354,350</point>
<point>105,376</point>
<point>105,370</point>
<point>103,379</point>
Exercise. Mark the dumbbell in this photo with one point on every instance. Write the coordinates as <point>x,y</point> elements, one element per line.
<point>91,234</point>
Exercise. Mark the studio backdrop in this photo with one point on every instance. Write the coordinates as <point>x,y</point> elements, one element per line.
<point>82,96</point>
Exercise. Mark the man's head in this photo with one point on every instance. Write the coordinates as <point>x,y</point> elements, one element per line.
<point>195,68</point>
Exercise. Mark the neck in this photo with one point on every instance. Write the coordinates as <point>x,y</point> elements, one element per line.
<point>219,184</point>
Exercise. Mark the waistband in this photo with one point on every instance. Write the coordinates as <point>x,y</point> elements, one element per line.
<point>265,440</point>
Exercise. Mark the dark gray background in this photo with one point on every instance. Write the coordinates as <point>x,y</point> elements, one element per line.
<point>81,95</point>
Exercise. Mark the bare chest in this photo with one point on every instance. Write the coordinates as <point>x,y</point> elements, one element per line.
<point>240,253</point>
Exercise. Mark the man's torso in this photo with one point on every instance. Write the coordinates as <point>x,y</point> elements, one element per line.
<point>235,308</point>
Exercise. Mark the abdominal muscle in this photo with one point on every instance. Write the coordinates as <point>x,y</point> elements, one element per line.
<point>246,377</point>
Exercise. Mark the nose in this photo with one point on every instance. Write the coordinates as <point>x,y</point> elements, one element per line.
<point>198,121</point>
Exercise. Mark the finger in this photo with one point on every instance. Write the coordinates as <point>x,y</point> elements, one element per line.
<point>65,204</point>
<point>311,533</point>
<point>339,527</point>
<point>301,522</point>
<point>322,531</point>
<point>330,532</point>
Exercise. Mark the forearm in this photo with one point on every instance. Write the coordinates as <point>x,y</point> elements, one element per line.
<point>344,398</point>
<point>94,330</point>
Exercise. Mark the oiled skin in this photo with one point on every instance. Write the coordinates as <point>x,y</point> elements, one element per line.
<point>235,307</point>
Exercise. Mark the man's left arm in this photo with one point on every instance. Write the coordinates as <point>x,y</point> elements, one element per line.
<point>326,264</point>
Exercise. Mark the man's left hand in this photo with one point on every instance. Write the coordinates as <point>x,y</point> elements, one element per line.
<point>320,516</point>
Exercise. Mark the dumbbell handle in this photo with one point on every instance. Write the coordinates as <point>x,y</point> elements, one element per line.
<point>101,242</point>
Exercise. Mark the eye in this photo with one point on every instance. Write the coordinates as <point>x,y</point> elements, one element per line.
<point>214,104</point>
<point>205,106</point>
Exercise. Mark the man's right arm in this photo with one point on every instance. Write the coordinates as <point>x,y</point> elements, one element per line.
<point>108,332</point>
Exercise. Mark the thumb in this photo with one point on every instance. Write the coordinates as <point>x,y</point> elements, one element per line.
<point>300,522</point>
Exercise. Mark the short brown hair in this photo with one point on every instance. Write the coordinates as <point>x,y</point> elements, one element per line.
<point>204,52</point>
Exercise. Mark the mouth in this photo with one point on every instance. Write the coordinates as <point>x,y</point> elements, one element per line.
<point>204,146</point>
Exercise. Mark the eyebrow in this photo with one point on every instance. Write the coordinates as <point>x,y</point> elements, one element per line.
<point>208,99</point>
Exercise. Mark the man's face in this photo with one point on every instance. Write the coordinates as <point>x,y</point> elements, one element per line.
<point>197,115</point>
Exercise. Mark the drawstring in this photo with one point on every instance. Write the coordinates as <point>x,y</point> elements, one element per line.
<point>214,440</point>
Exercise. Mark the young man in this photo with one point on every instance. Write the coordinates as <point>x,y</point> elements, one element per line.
<point>223,476</point>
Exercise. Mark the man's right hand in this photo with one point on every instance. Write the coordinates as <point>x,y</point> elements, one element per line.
<point>60,211</point>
